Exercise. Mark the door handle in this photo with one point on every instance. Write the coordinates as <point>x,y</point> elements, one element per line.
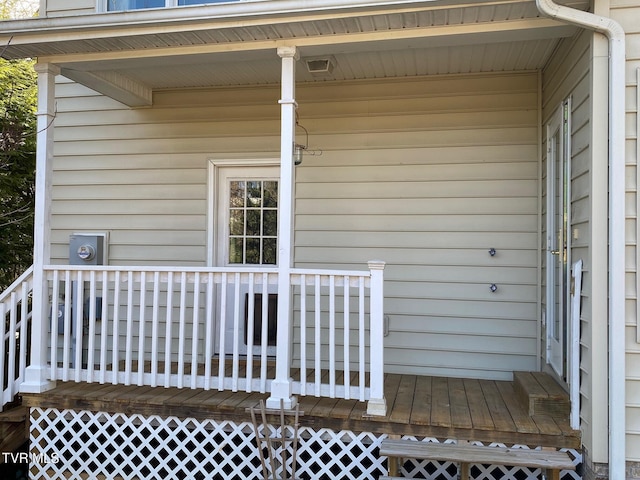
<point>555,252</point>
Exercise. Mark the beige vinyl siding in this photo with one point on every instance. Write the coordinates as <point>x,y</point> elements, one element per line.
<point>426,174</point>
<point>141,175</point>
<point>627,13</point>
<point>55,8</point>
<point>569,75</point>
<point>429,179</point>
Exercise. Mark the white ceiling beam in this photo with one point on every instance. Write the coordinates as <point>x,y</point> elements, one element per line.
<point>114,85</point>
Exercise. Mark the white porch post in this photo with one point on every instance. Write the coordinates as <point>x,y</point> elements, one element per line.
<point>377,404</point>
<point>281,386</point>
<point>36,378</point>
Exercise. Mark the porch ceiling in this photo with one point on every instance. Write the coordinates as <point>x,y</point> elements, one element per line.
<point>128,58</point>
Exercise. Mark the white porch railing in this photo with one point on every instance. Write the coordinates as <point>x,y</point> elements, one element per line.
<point>182,327</point>
<point>338,334</point>
<point>15,322</point>
<point>156,326</point>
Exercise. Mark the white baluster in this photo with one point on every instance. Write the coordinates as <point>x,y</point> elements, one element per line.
<point>236,335</point>
<point>318,336</point>
<point>11,364</point>
<point>250,332</point>
<point>208,356</point>
<point>168,332</point>
<point>155,327</point>
<point>92,326</point>
<point>129,339</point>
<point>362,347</point>
<point>79,326</point>
<point>104,315</point>
<point>141,327</point>
<point>303,334</point>
<point>3,322</point>
<point>54,326</point>
<point>115,347</point>
<point>264,340</point>
<point>195,330</point>
<point>332,336</point>
<point>181,334</point>
<point>346,332</point>
<point>223,329</point>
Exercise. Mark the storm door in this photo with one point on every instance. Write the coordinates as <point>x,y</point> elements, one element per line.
<point>247,236</point>
<point>558,238</point>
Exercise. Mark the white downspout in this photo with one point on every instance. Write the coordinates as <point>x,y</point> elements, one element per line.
<point>615,34</point>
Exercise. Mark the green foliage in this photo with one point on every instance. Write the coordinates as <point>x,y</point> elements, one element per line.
<point>18,8</point>
<point>18,101</point>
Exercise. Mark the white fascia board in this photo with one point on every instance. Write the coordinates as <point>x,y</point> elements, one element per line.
<point>446,35</point>
<point>236,12</point>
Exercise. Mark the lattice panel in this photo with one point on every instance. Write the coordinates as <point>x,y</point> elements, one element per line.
<point>76,444</point>
<point>134,446</point>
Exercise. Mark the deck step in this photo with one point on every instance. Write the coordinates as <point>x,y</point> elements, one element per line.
<point>541,394</point>
<point>14,431</point>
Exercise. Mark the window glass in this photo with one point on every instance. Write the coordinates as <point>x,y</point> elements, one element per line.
<point>200,2</point>
<point>253,222</point>
<point>118,5</point>
<point>115,5</point>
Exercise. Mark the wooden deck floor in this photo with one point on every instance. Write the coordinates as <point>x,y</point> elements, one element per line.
<point>464,409</point>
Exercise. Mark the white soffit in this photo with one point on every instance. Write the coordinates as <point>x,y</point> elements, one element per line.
<point>431,38</point>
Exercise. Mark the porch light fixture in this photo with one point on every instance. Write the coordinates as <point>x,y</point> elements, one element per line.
<point>297,153</point>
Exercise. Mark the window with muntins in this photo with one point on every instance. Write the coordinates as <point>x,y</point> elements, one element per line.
<point>120,5</point>
<point>253,222</point>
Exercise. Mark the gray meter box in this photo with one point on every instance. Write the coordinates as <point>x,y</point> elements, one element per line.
<point>87,249</point>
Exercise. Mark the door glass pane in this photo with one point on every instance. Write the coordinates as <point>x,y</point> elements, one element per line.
<point>560,265</point>
<point>253,221</point>
<point>270,223</point>
<point>235,250</point>
<point>253,251</point>
<point>557,247</point>
<point>236,222</point>
<point>236,194</point>
<point>254,194</point>
<point>269,251</point>
<point>270,194</point>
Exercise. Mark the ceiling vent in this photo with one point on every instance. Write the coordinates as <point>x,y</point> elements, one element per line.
<point>320,66</point>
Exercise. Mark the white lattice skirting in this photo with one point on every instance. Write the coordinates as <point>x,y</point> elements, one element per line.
<point>81,444</point>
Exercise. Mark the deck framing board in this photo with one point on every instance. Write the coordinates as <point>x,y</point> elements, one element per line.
<point>476,410</point>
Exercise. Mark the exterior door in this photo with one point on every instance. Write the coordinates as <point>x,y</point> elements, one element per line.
<point>247,205</point>
<point>558,261</point>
